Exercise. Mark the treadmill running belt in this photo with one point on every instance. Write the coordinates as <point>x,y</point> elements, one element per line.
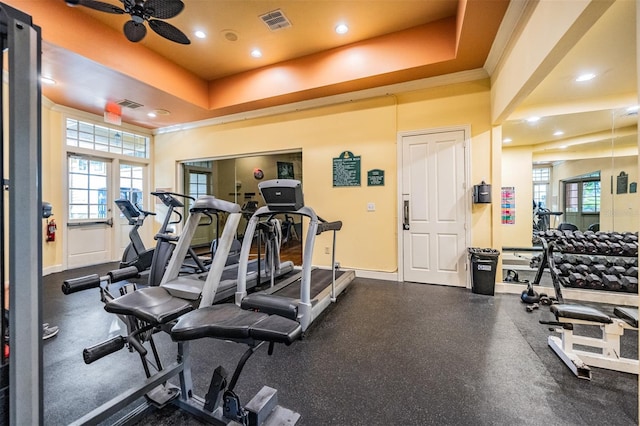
<point>320,279</point>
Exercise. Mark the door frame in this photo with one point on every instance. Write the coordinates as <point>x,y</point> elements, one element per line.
<point>116,237</point>
<point>115,160</point>
<point>466,129</point>
<point>64,219</point>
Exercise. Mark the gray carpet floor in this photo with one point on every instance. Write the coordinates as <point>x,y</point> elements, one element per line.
<point>386,353</point>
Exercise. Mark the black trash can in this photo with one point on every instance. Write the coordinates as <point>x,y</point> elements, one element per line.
<point>484,262</point>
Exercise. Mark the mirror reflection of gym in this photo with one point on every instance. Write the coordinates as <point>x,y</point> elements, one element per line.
<point>578,132</point>
<point>236,180</point>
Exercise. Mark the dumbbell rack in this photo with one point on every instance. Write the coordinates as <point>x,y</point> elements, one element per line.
<point>601,268</point>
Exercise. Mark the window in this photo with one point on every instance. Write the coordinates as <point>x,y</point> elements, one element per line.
<point>591,197</point>
<point>541,178</point>
<point>582,195</point>
<point>87,188</point>
<point>198,184</point>
<point>131,183</point>
<point>571,197</point>
<point>105,139</point>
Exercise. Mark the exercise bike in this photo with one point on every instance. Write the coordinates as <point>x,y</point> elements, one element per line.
<point>135,254</point>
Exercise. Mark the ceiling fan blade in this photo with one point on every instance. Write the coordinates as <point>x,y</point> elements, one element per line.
<point>134,31</point>
<point>163,9</point>
<point>168,31</point>
<point>97,5</point>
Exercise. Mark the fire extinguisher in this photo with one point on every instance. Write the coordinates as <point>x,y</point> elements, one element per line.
<point>51,230</point>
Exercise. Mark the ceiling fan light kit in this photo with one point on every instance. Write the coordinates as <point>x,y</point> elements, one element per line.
<point>151,11</point>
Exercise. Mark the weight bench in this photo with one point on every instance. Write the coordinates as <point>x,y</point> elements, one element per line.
<point>606,352</point>
<point>154,309</point>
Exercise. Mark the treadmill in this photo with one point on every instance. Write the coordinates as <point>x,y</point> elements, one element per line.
<point>192,286</point>
<point>306,295</point>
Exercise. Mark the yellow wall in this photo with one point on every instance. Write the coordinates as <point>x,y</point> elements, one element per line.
<point>53,173</point>
<point>517,173</point>
<point>367,128</point>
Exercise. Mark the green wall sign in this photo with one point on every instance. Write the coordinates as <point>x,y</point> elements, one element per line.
<point>346,170</point>
<point>375,177</point>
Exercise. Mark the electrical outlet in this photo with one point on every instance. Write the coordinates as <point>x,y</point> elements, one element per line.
<point>371,207</point>
<point>326,250</point>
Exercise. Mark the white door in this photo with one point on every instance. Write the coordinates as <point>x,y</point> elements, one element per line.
<point>90,214</point>
<point>434,208</point>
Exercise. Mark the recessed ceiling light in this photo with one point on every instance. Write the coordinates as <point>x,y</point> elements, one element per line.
<point>342,29</point>
<point>200,34</point>
<point>256,53</point>
<point>507,140</point>
<point>562,147</point>
<point>151,114</point>
<point>47,80</point>
<point>586,77</point>
<point>558,133</point>
<point>533,119</point>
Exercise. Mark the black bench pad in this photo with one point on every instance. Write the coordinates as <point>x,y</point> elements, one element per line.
<point>630,315</point>
<point>271,304</point>
<point>580,312</point>
<point>152,304</point>
<point>228,321</point>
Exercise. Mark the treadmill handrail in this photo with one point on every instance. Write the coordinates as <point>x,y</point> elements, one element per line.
<point>325,226</point>
<point>305,285</point>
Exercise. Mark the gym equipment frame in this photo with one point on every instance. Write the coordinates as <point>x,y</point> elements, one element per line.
<point>23,40</point>
<point>156,309</point>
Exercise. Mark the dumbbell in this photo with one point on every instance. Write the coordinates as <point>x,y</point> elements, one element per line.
<point>621,261</point>
<point>629,249</point>
<point>616,237</point>
<point>530,308</point>
<point>601,247</point>
<point>629,284</point>
<point>600,260</point>
<point>593,281</point>
<point>582,269</point>
<point>632,272</point>
<point>630,238</point>
<point>615,248</point>
<point>616,270</point>
<point>566,269</point>
<point>586,260</point>
<point>598,269</point>
<point>576,280</point>
<point>611,282</point>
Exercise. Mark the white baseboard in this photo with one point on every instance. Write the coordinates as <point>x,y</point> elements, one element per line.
<point>377,275</point>
<point>52,269</point>
<point>576,294</point>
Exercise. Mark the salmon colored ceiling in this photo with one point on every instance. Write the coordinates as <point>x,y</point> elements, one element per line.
<point>389,42</point>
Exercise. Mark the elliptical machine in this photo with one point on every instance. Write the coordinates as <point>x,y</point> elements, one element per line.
<point>135,254</point>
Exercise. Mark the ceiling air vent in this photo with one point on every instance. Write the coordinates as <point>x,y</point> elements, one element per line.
<point>126,103</point>
<point>275,20</point>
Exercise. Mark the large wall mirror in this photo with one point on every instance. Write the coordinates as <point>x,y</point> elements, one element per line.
<point>570,151</point>
<point>236,180</point>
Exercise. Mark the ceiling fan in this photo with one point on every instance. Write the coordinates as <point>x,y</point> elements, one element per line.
<point>141,11</point>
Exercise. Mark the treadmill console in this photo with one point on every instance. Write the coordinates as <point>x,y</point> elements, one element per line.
<point>282,194</point>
